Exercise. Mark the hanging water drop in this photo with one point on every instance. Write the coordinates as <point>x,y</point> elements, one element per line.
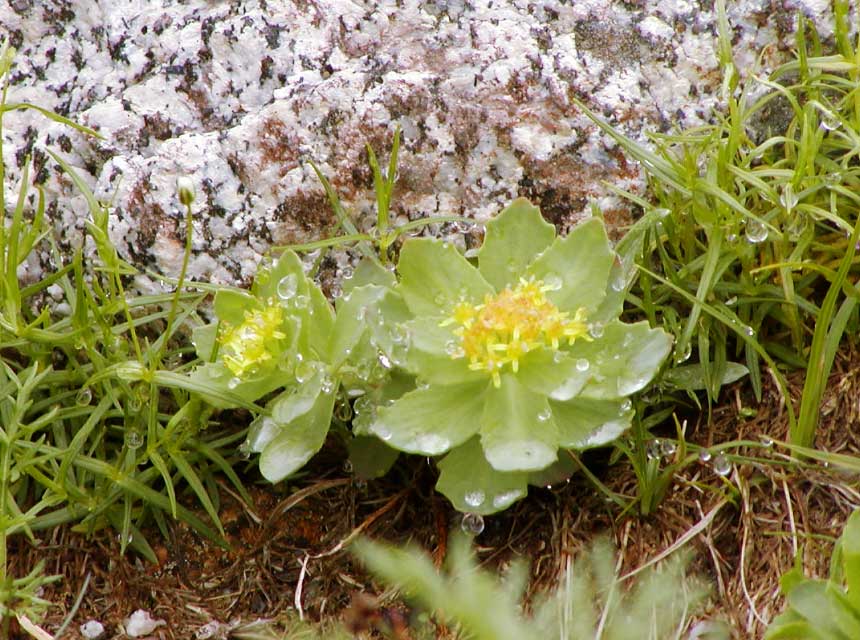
<point>755,232</point>
<point>582,365</point>
<point>343,411</point>
<point>788,199</point>
<point>654,449</point>
<point>472,524</point>
<point>722,466</point>
<point>346,273</point>
<point>626,406</point>
<point>544,415</point>
<point>287,286</point>
<point>683,352</point>
<point>704,455</point>
<point>767,441</point>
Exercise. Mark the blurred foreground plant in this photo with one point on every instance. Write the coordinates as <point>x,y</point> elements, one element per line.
<point>591,602</point>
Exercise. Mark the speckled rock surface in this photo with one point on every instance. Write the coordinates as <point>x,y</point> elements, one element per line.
<point>238,95</point>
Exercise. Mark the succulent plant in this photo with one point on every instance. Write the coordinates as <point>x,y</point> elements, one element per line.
<point>515,358</point>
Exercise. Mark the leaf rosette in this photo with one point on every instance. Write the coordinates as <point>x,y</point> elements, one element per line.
<point>517,357</point>
<point>274,336</point>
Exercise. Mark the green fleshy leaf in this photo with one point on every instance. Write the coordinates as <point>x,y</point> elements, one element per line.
<point>691,377</point>
<point>427,354</point>
<point>587,422</point>
<point>518,432</point>
<point>623,360</point>
<point>434,276</point>
<point>216,377</point>
<point>231,305</point>
<point>320,321</point>
<point>369,272</point>
<point>283,281</point>
<point>203,338</point>
<point>297,441</point>
<point>431,421</point>
<point>581,263</point>
<point>370,457</point>
<point>558,471</point>
<point>389,332</point>
<point>473,486</point>
<point>553,374</point>
<point>513,239</point>
<point>352,321</point>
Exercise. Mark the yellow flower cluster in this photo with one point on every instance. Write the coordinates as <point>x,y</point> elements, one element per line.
<point>510,324</point>
<point>250,344</point>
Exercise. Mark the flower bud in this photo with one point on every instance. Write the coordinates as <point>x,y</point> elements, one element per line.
<point>186,190</point>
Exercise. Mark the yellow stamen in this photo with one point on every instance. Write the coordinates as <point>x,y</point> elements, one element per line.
<point>507,326</point>
<point>249,345</point>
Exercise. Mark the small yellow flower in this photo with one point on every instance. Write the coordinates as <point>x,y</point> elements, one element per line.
<point>509,325</point>
<point>249,345</point>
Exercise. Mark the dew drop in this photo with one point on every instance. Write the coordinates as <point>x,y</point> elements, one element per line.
<point>133,439</point>
<point>453,349</point>
<point>788,199</point>
<point>233,382</point>
<point>245,450</point>
<point>507,498</point>
<point>722,466</point>
<point>668,447</point>
<point>328,384</point>
<point>654,450</point>
<point>544,415</point>
<point>683,354</point>
<point>748,330</point>
<point>595,330</point>
<point>474,498</point>
<point>626,406</point>
<point>287,286</point>
<point>755,232</point>
<point>343,411</point>
<point>84,397</point>
<point>398,334</point>
<point>472,524</point>
<point>557,357</point>
<point>384,360</point>
<point>705,455</point>
<point>582,365</point>
<point>618,284</point>
<point>347,466</point>
<point>346,273</point>
<point>553,281</point>
<point>767,441</point>
<point>829,121</point>
<point>422,384</point>
<point>304,372</point>
<point>732,238</point>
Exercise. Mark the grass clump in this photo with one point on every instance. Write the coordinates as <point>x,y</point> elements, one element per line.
<point>746,252</point>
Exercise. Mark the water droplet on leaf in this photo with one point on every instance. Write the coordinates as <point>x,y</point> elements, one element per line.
<point>767,441</point>
<point>133,439</point>
<point>544,415</point>
<point>668,447</point>
<point>553,281</point>
<point>755,232</point>
<point>582,365</point>
<point>705,455</point>
<point>474,498</point>
<point>84,397</point>
<point>595,330</point>
<point>287,286</point>
<point>654,449</point>
<point>232,383</point>
<point>722,466</point>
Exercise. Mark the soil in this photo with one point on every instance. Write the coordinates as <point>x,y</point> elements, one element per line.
<point>286,551</point>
